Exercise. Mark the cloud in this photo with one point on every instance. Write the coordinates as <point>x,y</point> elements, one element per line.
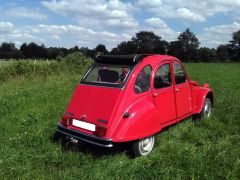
<point>216,35</point>
<point>156,22</point>
<point>5,26</point>
<point>224,29</point>
<point>190,11</point>
<point>23,12</point>
<point>187,14</point>
<point>161,28</point>
<point>61,35</point>
<point>96,13</point>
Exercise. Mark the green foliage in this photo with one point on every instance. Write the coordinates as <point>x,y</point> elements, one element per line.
<point>30,109</point>
<point>75,62</point>
<point>145,42</point>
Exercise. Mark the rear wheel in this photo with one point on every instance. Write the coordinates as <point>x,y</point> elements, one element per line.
<point>144,146</point>
<point>206,111</point>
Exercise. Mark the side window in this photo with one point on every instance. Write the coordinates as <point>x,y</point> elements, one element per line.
<point>179,74</point>
<point>162,77</point>
<point>142,83</point>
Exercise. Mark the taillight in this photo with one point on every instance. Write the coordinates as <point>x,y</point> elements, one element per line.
<point>100,131</point>
<point>66,121</point>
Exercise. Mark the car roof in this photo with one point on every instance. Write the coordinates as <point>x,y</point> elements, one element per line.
<point>131,59</point>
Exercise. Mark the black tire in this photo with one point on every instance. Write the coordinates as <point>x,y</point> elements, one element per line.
<point>143,147</point>
<point>206,111</point>
<point>56,136</point>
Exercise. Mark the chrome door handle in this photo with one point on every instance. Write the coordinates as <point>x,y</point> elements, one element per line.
<point>176,89</point>
<point>155,94</point>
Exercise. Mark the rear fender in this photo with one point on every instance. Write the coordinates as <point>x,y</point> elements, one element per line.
<point>139,123</point>
<point>201,93</point>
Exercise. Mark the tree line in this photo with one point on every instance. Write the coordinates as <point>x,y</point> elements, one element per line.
<point>186,48</point>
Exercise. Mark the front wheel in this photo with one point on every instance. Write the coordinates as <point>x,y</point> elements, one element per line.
<point>206,111</point>
<point>144,146</point>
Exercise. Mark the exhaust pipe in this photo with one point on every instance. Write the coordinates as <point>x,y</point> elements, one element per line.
<point>74,141</point>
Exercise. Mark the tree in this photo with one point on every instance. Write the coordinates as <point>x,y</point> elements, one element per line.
<point>6,47</point>
<point>8,50</point>
<point>100,49</point>
<point>145,42</point>
<point>223,52</point>
<point>206,54</point>
<point>175,49</point>
<point>149,43</point>
<point>24,49</point>
<point>126,47</point>
<point>234,46</point>
<point>236,39</point>
<point>189,44</point>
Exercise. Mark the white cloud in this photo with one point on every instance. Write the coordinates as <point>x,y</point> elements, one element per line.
<point>192,11</point>
<point>5,26</point>
<point>61,35</point>
<point>55,37</point>
<point>96,13</point>
<point>161,28</point>
<point>149,4</point>
<point>23,12</point>
<point>224,29</point>
<point>156,22</point>
<point>216,35</point>
<point>185,13</point>
<point>121,24</point>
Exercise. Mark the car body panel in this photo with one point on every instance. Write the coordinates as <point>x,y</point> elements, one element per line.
<point>128,115</point>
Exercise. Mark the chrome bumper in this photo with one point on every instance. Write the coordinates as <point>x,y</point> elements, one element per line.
<point>84,137</point>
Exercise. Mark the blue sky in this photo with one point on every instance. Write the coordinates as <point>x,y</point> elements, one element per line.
<point>90,22</point>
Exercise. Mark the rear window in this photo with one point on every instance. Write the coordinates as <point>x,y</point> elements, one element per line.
<point>109,75</point>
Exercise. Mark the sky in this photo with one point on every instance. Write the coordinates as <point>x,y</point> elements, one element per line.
<point>66,23</point>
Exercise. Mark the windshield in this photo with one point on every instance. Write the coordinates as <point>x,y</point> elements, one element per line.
<point>108,75</point>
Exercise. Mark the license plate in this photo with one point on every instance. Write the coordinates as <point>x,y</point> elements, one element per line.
<point>84,125</point>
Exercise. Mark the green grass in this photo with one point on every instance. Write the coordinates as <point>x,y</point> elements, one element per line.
<point>30,109</point>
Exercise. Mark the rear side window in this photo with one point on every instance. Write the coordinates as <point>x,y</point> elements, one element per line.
<point>162,77</point>
<point>142,83</point>
<point>179,74</point>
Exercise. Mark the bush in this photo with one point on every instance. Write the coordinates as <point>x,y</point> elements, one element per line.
<point>75,62</point>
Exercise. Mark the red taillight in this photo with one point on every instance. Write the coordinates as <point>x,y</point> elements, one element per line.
<point>100,131</point>
<point>66,121</point>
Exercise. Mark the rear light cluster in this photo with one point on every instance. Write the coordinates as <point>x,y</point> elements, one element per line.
<point>66,121</point>
<point>100,131</point>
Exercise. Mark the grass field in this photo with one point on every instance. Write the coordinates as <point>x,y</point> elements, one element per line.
<point>30,109</point>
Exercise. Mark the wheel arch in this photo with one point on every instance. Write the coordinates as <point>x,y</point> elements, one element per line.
<point>210,96</point>
<point>200,95</point>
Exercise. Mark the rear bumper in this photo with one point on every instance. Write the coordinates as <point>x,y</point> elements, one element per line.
<point>84,137</point>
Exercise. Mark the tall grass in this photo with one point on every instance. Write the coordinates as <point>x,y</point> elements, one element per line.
<point>30,109</point>
<point>73,62</point>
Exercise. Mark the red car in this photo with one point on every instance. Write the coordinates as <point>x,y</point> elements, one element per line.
<point>130,98</point>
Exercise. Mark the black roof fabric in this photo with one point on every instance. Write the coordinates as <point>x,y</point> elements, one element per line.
<point>120,59</point>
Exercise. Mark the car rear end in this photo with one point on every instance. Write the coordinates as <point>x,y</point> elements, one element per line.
<point>96,101</point>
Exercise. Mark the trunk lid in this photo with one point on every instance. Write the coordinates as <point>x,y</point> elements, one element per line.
<point>93,103</point>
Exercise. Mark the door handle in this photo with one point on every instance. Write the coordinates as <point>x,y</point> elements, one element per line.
<point>176,89</point>
<point>155,94</point>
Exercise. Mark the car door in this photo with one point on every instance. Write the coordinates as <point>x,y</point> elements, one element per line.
<point>182,91</point>
<point>163,93</point>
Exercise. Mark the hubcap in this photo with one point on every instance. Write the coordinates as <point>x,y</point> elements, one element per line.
<point>207,109</point>
<point>146,145</point>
